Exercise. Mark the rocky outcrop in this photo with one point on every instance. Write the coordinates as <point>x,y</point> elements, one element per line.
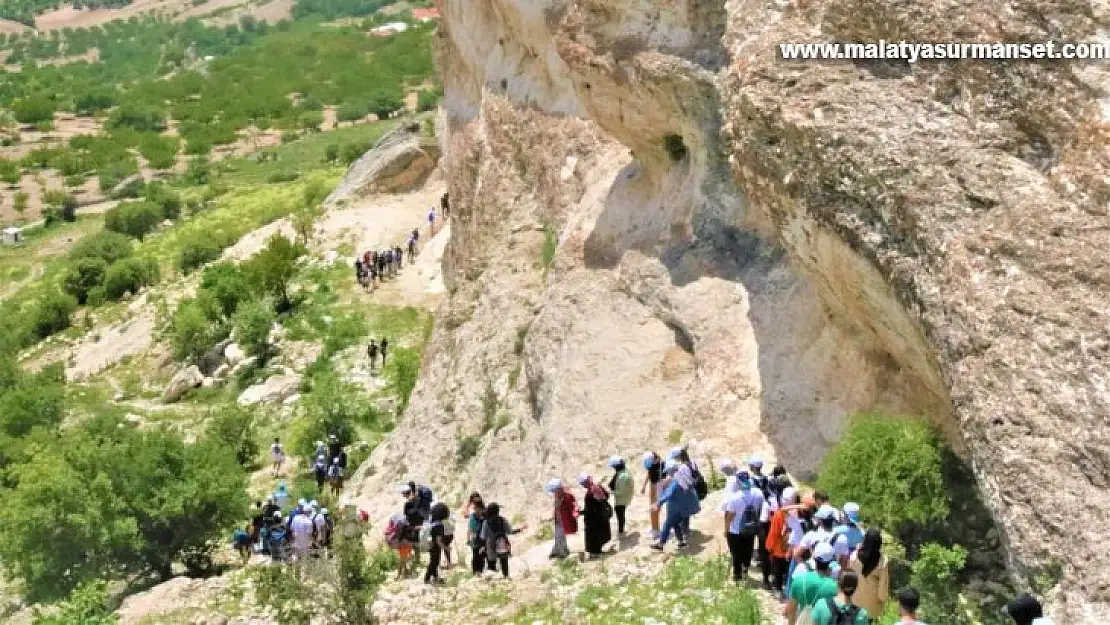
<point>182,382</point>
<point>274,390</point>
<point>662,231</point>
<point>400,161</point>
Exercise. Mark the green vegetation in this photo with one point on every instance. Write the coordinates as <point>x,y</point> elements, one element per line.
<point>892,468</point>
<point>550,245</point>
<point>688,590</point>
<point>87,605</point>
<point>235,428</point>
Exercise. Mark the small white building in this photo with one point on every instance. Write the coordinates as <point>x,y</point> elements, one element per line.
<point>391,28</point>
<point>11,236</point>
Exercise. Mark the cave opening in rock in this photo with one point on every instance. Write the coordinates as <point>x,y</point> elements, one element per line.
<point>675,146</point>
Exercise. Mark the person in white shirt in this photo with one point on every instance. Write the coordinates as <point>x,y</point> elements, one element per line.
<point>742,506</point>
<point>320,524</point>
<point>301,527</point>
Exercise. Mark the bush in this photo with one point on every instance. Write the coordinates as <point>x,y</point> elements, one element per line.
<point>936,575</point>
<point>234,428</point>
<point>191,331</point>
<point>228,286</point>
<point>135,219</point>
<point>137,117</point>
<point>198,248</point>
<point>10,171</point>
<point>331,154</point>
<point>252,323</point>
<point>892,467</point>
<point>271,270</point>
<point>468,448</point>
<point>33,109</point>
<point>84,275</point>
<point>403,370</point>
<point>350,111</point>
<point>198,171</point>
<point>352,152</point>
<point>428,100</point>
<point>332,407</point>
<point>88,604</point>
<point>51,313</point>
<point>130,189</point>
<point>128,276</point>
<point>106,246</point>
<point>110,176</point>
<point>168,200</point>
<point>386,102</point>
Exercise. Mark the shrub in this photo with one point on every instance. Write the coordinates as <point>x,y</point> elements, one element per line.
<point>331,154</point>
<point>135,219</point>
<point>88,604</point>
<point>936,575</point>
<point>130,188</point>
<point>128,276</point>
<point>160,152</point>
<point>403,370</point>
<point>110,176</point>
<point>352,152</point>
<point>168,200</point>
<point>10,171</point>
<point>33,109</point>
<point>550,246</point>
<point>51,313</point>
<point>234,428</point>
<point>198,171</point>
<point>106,246</point>
<point>198,248</point>
<point>428,100</point>
<point>892,467</point>
<point>191,331</point>
<point>84,275</point>
<point>468,448</point>
<point>332,407</point>
<point>384,103</point>
<point>252,322</point>
<point>137,117</point>
<point>228,286</point>
<point>272,269</point>
<point>350,111</point>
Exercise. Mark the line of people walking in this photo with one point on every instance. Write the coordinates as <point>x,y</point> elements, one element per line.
<point>376,266</point>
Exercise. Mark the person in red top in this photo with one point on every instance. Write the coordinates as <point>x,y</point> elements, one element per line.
<point>564,517</point>
<point>778,540</point>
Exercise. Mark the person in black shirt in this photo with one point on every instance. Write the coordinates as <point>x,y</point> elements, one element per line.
<point>439,544</point>
<point>653,464</point>
<point>383,347</point>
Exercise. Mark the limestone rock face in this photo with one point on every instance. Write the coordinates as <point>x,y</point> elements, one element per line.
<point>399,161</point>
<point>662,231</point>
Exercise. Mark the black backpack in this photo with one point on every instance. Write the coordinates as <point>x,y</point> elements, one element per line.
<point>701,487</point>
<point>842,616</point>
<point>749,521</point>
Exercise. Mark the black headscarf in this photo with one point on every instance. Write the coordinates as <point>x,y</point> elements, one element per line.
<point>1024,609</point>
<point>871,551</point>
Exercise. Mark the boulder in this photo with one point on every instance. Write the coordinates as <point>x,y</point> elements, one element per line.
<point>233,354</point>
<point>222,371</point>
<point>213,358</point>
<point>401,160</point>
<point>183,381</point>
<point>245,363</point>
<point>274,390</point>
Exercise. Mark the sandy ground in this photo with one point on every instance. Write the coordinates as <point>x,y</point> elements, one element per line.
<point>8,26</point>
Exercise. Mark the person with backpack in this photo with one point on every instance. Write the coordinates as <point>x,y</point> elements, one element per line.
<point>778,540</point>
<point>435,543</point>
<point>319,527</point>
<point>812,586</point>
<point>432,221</point>
<point>770,503</point>
<point>241,542</point>
<point>741,506</point>
<point>596,512</point>
<point>335,478</point>
<point>495,534</point>
<point>870,565</point>
<point>564,518</point>
<point>320,471</point>
<point>475,514</point>
<point>841,610</point>
<point>412,249</point>
<point>277,536</point>
<point>826,517</point>
<point>396,537</point>
<point>682,503</point>
<point>277,456</point>
<point>653,464</point>
<point>445,205</point>
<point>423,498</point>
<point>623,488</point>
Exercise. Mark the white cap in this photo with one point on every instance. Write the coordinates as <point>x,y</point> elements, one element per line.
<point>824,552</point>
<point>615,460</point>
<point>302,502</point>
<point>727,467</point>
<point>675,453</point>
<point>825,512</point>
<point>404,490</point>
<point>583,478</point>
<point>319,443</point>
<point>553,485</point>
<point>755,461</point>
<point>789,495</point>
<point>669,467</point>
<point>851,510</point>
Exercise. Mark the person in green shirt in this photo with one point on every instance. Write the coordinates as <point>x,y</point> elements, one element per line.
<point>622,488</point>
<point>811,587</point>
<point>841,609</point>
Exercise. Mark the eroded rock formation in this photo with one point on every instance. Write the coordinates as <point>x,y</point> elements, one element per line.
<point>661,230</point>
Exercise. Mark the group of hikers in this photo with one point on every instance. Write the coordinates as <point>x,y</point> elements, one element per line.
<point>376,266</point>
<point>820,560</point>
<point>308,526</point>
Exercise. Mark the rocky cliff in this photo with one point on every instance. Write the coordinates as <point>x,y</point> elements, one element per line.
<point>663,231</point>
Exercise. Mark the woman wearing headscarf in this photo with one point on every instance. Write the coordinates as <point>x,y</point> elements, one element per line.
<point>495,532</point>
<point>874,577</point>
<point>475,513</point>
<point>622,488</point>
<point>682,502</point>
<point>653,464</point>
<point>595,513</point>
<point>564,519</point>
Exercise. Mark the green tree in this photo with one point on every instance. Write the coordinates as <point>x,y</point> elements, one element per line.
<point>168,200</point>
<point>252,322</point>
<point>107,246</point>
<point>892,467</point>
<point>234,427</point>
<point>128,276</point>
<point>52,313</point>
<point>331,154</point>
<point>936,575</point>
<point>33,401</point>
<point>228,286</point>
<point>273,268</point>
<point>84,275</point>
<point>385,102</point>
<point>332,407</point>
<point>191,331</point>
<point>137,117</point>
<point>197,249</point>
<point>135,219</point>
